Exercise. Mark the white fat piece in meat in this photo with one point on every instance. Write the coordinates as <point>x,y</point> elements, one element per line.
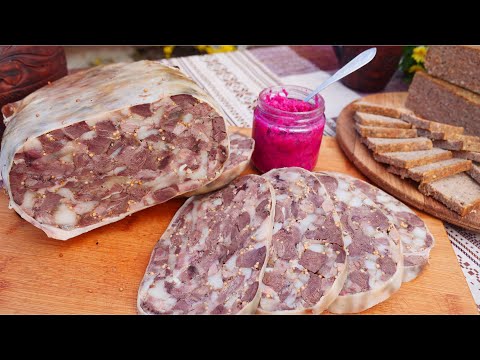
<point>307,267</point>
<point>29,201</point>
<point>375,259</point>
<point>64,127</point>
<point>145,131</point>
<point>65,216</point>
<point>212,257</point>
<point>417,240</point>
<point>33,144</point>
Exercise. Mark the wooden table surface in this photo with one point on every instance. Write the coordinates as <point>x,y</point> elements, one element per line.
<point>99,272</point>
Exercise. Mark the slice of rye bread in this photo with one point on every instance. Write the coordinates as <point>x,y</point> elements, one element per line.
<point>445,135</point>
<point>474,172</point>
<point>434,135</point>
<point>433,171</point>
<point>382,145</point>
<point>457,145</point>
<point>421,123</point>
<point>448,144</point>
<point>464,138</point>
<point>403,173</point>
<point>385,132</point>
<point>410,159</point>
<point>380,120</point>
<point>372,108</point>
<point>469,155</point>
<point>459,192</point>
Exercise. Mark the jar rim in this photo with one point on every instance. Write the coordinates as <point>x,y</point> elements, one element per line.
<point>318,100</point>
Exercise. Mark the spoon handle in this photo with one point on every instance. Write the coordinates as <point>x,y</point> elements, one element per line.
<point>355,64</point>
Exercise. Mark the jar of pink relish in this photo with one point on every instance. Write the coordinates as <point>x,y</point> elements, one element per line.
<point>287,130</point>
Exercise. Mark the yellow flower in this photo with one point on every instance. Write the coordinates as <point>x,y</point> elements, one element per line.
<point>226,48</point>
<point>415,68</point>
<point>212,49</point>
<point>167,51</point>
<point>97,61</point>
<point>419,54</point>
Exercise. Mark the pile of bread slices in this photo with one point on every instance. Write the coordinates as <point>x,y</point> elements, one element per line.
<point>440,157</point>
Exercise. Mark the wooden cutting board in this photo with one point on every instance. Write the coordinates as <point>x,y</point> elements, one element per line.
<point>99,272</point>
<point>403,189</point>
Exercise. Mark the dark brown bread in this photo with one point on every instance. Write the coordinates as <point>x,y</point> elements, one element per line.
<point>385,132</point>
<point>421,123</point>
<point>433,171</point>
<point>458,144</point>
<point>459,65</point>
<point>464,138</point>
<point>434,135</point>
<point>380,145</point>
<point>379,120</point>
<point>403,173</point>
<point>474,172</point>
<point>409,159</point>
<point>469,155</point>
<point>459,192</point>
<point>440,135</point>
<point>448,144</point>
<point>433,98</point>
<point>372,108</point>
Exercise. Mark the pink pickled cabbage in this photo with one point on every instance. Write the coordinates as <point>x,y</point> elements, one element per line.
<point>287,104</point>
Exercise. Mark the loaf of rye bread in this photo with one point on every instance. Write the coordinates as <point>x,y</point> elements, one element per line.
<point>459,65</point>
<point>459,192</point>
<point>437,99</point>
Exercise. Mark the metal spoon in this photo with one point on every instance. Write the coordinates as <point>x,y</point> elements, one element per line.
<point>355,64</point>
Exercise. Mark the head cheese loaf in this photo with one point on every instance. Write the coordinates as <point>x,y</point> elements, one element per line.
<point>212,257</point>
<point>306,267</point>
<point>375,260</point>
<point>416,239</point>
<point>241,149</point>
<point>98,145</point>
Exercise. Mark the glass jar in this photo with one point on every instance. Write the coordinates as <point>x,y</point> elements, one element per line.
<point>287,138</point>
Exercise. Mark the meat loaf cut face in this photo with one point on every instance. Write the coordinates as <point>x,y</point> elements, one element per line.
<point>101,144</point>
<point>306,267</point>
<point>375,260</point>
<point>417,241</point>
<point>212,257</point>
<point>241,149</point>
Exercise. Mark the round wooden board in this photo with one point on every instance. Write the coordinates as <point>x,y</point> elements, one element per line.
<point>403,189</point>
